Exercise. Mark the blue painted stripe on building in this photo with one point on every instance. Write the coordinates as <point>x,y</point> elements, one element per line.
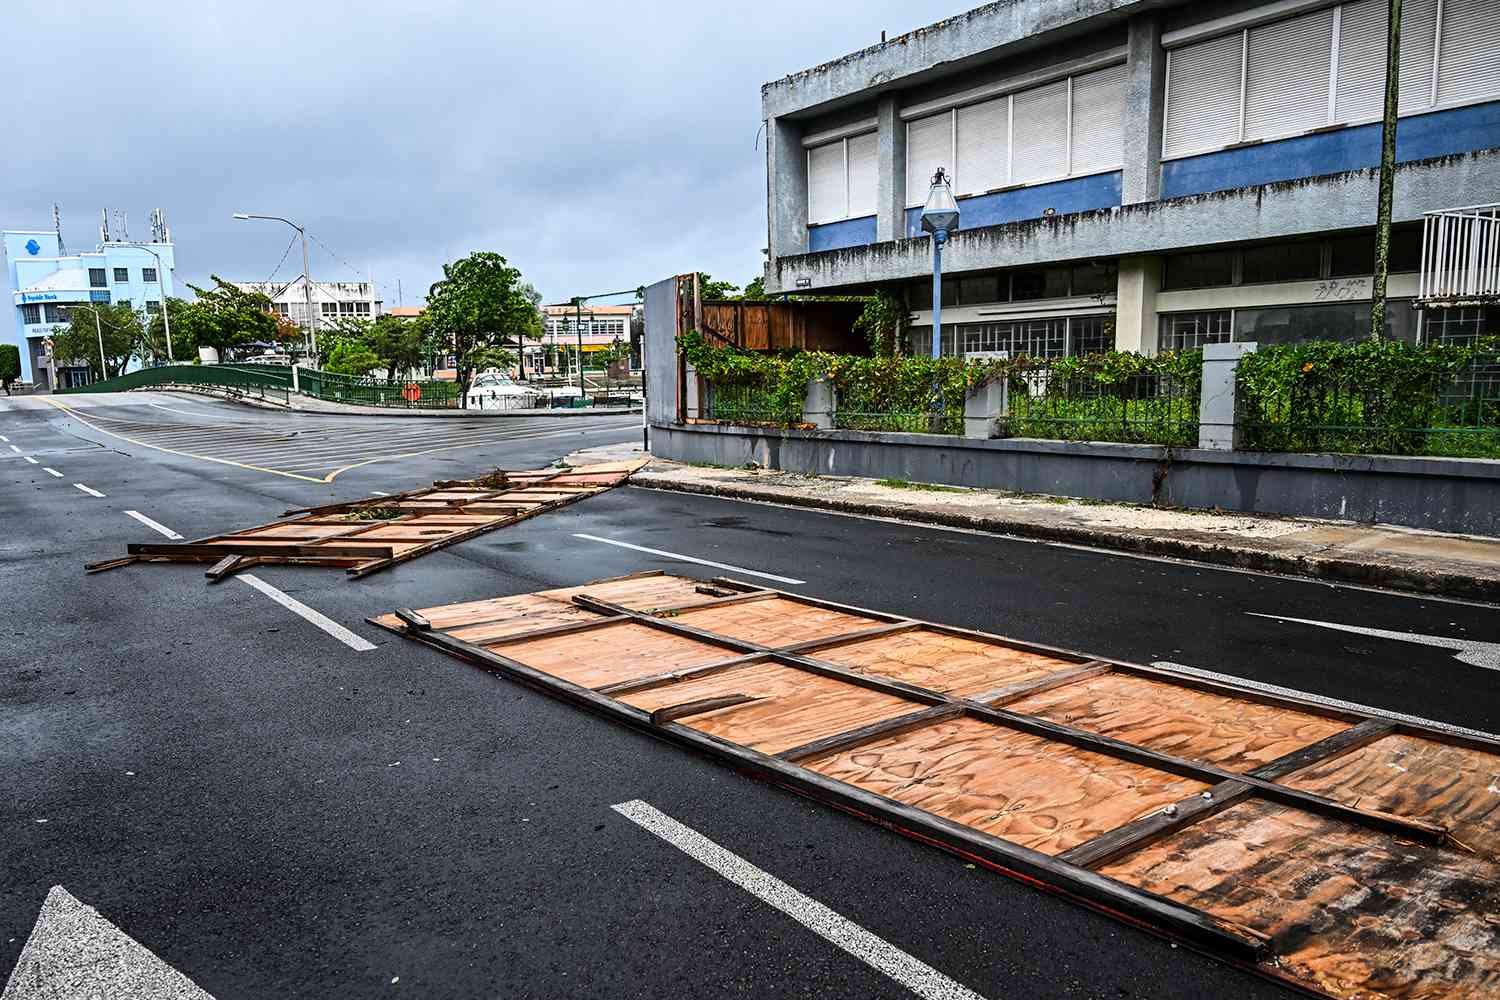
<point>1075,194</point>
<point>838,235</point>
<point>1421,137</point>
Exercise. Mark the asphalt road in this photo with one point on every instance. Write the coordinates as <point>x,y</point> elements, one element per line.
<point>272,812</point>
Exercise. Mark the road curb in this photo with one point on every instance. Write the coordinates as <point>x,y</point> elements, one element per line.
<point>359,410</point>
<point>1343,570</point>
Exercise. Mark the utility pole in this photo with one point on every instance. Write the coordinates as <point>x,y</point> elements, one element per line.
<point>312,318</point>
<point>1387,171</point>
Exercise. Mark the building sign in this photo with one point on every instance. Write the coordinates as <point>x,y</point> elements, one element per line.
<point>33,247</point>
<point>38,296</point>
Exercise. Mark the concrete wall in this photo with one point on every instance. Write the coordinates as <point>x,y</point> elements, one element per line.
<point>1440,494</point>
<point>1075,194</point>
<point>660,348</point>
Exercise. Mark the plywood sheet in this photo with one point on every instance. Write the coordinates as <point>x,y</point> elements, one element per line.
<point>1349,911</point>
<point>1233,733</point>
<point>613,653</point>
<point>643,593</point>
<point>794,707</point>
<point>1040,794</point>
<point>1411,776</point>
<point>775,621</point>
<point>947,663</point>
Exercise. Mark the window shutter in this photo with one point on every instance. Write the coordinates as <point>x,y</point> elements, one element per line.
<point>825,183</point>
<point>1203,96</point>
<point>983,147</point>
<point>929,145</point>
<point>864,174</point>
<point>1098,120</point>
<point>1360,96</point>
<point>1418,32</point>
<point>1286,76</point>
<point>1040,133</point>
<point>1469,54</point>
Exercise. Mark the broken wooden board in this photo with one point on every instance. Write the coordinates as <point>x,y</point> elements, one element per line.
<point>1350,855</point>
<point>375,533</point>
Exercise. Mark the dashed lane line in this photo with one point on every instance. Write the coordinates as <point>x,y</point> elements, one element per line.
<point>30,459</point>
<point>51,471</point>
<point>88,489</point>
<point>156,526</point>
<point>15,449</point>
<point>838,930</point>
<point>4,438</point>
<point>692,559</point>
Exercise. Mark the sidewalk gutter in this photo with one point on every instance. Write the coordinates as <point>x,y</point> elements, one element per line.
<point>1372,555</point>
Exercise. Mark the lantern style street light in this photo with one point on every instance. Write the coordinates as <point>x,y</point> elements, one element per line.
<point>939,217</point>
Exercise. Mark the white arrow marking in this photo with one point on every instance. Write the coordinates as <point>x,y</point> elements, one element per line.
<point>1470,651</point>
<point>74,952</point>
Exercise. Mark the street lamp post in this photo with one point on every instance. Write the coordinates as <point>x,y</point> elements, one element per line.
<point>166,313</point>
<point>312,319</point>
<point>939,217</point>
<point>99,332</point>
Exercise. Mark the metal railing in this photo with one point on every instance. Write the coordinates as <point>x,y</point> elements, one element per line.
<point>402,394</point>
<point>249,381</point>
<point>1076,404</point>
<point>1456,417</point>
<point>746,404</point>
<point>1460,256</point>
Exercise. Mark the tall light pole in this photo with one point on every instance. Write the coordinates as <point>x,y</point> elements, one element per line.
<point>939,217</point>
<point>99,332</point>
<point>578,300</point>
<point>166,313</point>
<point>312,319</point>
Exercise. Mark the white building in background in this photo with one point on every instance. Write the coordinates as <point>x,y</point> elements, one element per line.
<point>562,324</point>
<point>331,300</point>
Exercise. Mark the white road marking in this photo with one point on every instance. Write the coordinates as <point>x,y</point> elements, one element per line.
<point>879,954</point>
<point>1470,651</point>
<point>4,438</point>
<point>1317,699</point>
<point>30,459</point>
<point>89,491</point>
<point>692,559</point>
<point>155,526</point>
<point>51,471</point>
<point>191,413</point>
<point>75,952</point>
<point>379,493</point>
<point>15,449</point>
<point>319,619</point>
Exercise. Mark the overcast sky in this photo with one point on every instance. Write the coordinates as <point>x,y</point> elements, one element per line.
<point>597,145</point>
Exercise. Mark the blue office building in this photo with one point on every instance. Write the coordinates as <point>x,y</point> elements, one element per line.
<point>44,283</point>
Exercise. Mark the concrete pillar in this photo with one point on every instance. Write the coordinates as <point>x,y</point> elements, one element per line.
<point>1145,105</point>
<point>890,210</point>
<point>786,188</point>
<point>1135,312</point>
<point>693,401</point>
<point>1217,428</point>
<point>984,406</point>
<point>819,403</point>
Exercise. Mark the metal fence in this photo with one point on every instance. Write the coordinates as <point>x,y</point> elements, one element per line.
<point>895,408</point>
<point>408,394</point>
<point>1460,255</point>
<point>252,381</point>
<point>1075,403</point>
<point>1455,417</point>
<point>747,404</point>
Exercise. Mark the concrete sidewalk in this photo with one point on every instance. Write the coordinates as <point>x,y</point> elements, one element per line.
<point>1376,555</point>
<point>314,405</point>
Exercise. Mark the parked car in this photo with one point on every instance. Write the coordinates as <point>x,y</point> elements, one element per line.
<point>268,359</point>
<point>496,390</point>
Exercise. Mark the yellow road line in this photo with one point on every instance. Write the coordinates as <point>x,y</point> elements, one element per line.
<point>186,454</point>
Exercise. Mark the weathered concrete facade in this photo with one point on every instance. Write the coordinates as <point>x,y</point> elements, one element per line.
<point>1157,192</point>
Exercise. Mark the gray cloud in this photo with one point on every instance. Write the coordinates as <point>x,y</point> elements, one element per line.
<point>598,146</point>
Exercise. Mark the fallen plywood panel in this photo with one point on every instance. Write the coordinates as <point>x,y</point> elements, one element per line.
<point>1345,854</point>
<point>368,535</point>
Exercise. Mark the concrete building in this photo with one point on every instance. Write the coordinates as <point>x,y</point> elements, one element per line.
<point>330,299</point>
<point>44,282</point>
<point>1146,174</point>
<point>556,352</point>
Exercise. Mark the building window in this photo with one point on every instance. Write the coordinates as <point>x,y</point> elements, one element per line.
<point>281,309</point>
<point>362,308</point>
<point>346,308</point>
<point>148,274</point>
<point>125,303</point>
<point>122,275</point>
<point>1301,260</point>
<point>1458,326</point>
<point>1325,68</point>
<point>330,308</point>
<point>1201,269</point>
<point>1186,331</point>
<point>31,314</point>
<point>1065,128</point>
<point>96,278</point>
<point>1090,335</point>
<point>57,314</point>
<point>1039,283</point>
<point>841,179</point>
<point>152,307</point>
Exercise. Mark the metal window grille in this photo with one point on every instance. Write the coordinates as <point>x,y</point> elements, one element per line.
<point>1186,331</point>
<point>31,314</point>
<point>122,275</point>
<point>148,274</point>
<point>97,278</point>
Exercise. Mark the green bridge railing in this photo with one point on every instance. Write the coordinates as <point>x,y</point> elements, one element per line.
<point>277,382</point>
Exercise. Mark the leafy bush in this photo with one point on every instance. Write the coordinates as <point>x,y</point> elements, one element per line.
<point>352,358</point>
<point>1373,396</point>
<point>10,365</point>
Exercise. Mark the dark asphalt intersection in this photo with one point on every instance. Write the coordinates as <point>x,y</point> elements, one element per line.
<point>273,812</point>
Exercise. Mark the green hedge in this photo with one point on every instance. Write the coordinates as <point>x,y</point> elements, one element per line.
<point>1373,397</point>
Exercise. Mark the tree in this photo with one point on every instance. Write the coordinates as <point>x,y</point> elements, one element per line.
<point>352,358</point>
<point>10,365</point>
<point>118,327</point>
<point>709,289</point>
<point>184,337</point>
<point>480,304</point>
<point>756,289</point>
<point>400,343</point>
<point>340,332</point>
<point>227,317</point>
